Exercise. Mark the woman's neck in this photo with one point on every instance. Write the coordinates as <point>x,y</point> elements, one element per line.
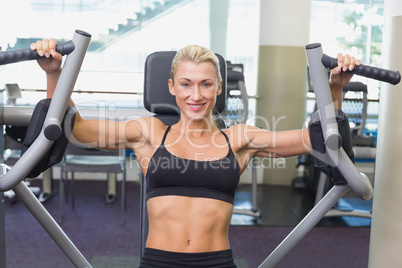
<point>195,127</point>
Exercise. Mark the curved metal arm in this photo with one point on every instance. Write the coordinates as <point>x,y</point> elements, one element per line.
<point>358,182</point>
<point>54,116</point>
<point>335,155</point>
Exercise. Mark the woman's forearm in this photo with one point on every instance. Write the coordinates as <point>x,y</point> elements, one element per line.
<point>52,79</point>
<point>336,92</point>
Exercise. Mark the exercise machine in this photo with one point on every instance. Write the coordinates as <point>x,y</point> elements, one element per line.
<point>363,146</point>
<point>52,129</point>
<point>237,113</point>
<point>334,154</point>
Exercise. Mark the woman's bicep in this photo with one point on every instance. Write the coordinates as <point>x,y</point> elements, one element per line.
<point>278,144</point>
<point>108,134</point>
<point>136,132</point>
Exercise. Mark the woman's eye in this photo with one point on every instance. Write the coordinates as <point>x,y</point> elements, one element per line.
<point>185,84</point>
<point>206,85</point>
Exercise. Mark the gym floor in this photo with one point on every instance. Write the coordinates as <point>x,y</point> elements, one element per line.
<point>94,227</point>
<point>286,206</point>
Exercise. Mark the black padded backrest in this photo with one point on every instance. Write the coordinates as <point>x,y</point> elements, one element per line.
<point>56,152</point>
<point>157,98</point>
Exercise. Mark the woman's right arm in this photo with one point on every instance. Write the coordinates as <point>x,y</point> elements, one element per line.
<point>92,132</point>
<point>51,64</point>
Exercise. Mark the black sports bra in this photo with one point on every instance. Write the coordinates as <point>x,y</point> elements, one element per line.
<point>171,175</point>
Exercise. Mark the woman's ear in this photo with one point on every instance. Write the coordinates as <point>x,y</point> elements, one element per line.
<point>171,89</point>
<point>219,91</point>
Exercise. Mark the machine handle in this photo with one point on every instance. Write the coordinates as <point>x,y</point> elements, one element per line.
<point>358,182</point>
<point>392,77</point>
<point>26,54</point>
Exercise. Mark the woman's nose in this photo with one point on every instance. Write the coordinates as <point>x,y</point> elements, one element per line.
<point>196,94</point>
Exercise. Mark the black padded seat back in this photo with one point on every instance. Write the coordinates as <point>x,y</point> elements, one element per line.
<point>56,152</point>
<point>318,144</point>
<point>157,98</point>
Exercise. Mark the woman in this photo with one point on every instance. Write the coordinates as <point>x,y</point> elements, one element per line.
<point>192,167</point>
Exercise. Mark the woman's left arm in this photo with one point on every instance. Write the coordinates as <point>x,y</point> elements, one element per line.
<point>273,144</point>
<point>265,143</point>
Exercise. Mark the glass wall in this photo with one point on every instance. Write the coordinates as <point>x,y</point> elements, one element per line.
<point>353,27</point>
<point>126,31</point>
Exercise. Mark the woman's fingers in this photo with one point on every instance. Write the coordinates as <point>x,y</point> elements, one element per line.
<point>47,48</point>
<point>52,45</point>
<point>346,62</point>
<point>39,48</point>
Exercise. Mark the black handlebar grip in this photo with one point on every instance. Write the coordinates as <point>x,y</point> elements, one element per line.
<point>18,55</point>
<point>392,77</point>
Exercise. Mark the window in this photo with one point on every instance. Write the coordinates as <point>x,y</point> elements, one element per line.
<point>353,27</point>
<point>125,32</point>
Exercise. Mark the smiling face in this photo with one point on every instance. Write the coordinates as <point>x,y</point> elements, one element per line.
<point>195,87</point>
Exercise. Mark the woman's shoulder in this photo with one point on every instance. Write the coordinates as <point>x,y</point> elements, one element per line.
<point>154,125</point>
<point>149,123</point>
<point>144,128</point>
<point>241,134</point>
<point>238,129</point>
<point>236,133</point>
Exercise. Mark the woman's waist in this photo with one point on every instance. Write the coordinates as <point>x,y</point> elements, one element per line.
<point>189,212</point>
<point>192,243</point>
<point>196,227</point>
<point>188,236</point>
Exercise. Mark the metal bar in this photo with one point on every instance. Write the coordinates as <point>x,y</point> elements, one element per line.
<point>301,230</point>
<point>90,91</point>
<point>333,141</point>
<point>143,215</point>
<point>322,181</point>
<point>254,184</point>
<point>2,222</point>
<point>2,172</point>
<point>50,225</point>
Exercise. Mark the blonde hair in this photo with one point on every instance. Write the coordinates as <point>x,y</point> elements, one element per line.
<point>196,54</point>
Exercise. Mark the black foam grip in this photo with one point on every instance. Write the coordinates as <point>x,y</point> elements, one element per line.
<point>12,56</point>
<point>392,77</point>
<point>318,144</point>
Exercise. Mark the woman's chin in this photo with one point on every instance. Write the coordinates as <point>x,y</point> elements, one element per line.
<point>197,117</point>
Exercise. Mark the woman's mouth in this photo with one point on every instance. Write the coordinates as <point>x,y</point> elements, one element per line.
<point>195,107</point>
